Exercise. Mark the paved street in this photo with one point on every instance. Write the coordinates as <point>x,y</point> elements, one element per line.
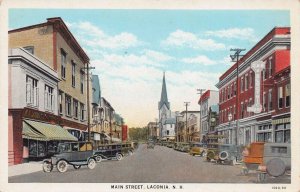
<point>159,165</point>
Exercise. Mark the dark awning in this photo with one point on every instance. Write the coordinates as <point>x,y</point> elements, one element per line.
<point>46,132</point>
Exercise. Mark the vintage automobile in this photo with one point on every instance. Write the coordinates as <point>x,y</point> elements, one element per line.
<point>229,154</point>
<point>108,152</point>
<point>71,153</point>
<point>252,156</point>
<point>212,151</point>
<point>198,149</point>
<point>150,145</point>
<point>184,147</point>
<point>170,144</point>
<point>127,149</point>
<point>276,160</point>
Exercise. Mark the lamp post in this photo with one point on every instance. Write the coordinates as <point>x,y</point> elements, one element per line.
<point>229,120</point>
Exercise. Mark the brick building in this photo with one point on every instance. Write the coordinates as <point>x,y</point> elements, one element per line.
<point>235,120</point>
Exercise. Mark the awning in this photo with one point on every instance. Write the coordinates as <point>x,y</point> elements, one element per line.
<point>46,132</point>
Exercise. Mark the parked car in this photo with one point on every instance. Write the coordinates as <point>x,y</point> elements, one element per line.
<point>198,149</point>
<point>229,154</point>
<point>127,149</point>
<point>170,144</point>
<point>71,153</point>
<point>109,152</point>
<point>185,147</point>
<point>276,160</point>
<point>252,156</point>
<point>212,151</point>
<point>150,145</point>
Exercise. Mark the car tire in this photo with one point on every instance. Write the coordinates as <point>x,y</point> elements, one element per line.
<point>223,155</point>
<point>203,154</point>
<point>98,159</point>
<point>77,166</point>
<point>91,163</point>
<point>276,167</point>
<point>119,156</point>
<point>62,166</point>
<point>47,167</point>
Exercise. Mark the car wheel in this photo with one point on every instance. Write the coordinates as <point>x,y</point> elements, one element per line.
<point>98,159</point>
<point>91,163</point>
<point>119,156</point>
<point>47,167</point>
<point>76,166</point>
<point>203,154</point>
<point>62,166</point>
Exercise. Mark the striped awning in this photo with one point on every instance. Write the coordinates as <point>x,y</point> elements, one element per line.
<point>281,121</point>
<point>43,131</point>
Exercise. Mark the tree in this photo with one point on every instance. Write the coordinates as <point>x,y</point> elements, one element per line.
<point>138,134</point>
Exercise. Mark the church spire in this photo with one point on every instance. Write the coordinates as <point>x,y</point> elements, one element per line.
<point>164,96</point>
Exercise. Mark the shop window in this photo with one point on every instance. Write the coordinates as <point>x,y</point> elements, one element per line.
<point>63,63</point>
<point>264,137</point>
<point>287,95</point>
<point>49,98</point>
<point>282,133</point>
<point>32,91</point>
<point>280,98</point>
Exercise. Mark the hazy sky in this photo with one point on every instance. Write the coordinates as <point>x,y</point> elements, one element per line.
<point>131,48</point>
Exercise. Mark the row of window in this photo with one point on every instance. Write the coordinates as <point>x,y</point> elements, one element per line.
<point>282,133</point>
<point>73,108</point>
<point>32,94</point>
<point>73,71</point>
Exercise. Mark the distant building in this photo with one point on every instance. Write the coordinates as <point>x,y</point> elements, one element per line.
<point>107,120</point>
<point>153,130</point>
<point>188,126</point>
<point>207,99</point>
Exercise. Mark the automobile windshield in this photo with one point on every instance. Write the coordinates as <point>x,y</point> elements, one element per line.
<point>63,147</point>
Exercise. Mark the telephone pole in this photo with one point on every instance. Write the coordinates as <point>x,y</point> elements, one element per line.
<point>200,91</point>
<point>186,107</point>
<point>235,58</point>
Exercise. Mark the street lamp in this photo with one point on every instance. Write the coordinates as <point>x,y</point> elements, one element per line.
<point>229,120</point>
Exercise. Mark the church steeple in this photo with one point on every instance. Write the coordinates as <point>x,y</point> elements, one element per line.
<point>164,96</point>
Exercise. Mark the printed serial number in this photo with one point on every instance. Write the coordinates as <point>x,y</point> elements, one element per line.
<point>278,187</point>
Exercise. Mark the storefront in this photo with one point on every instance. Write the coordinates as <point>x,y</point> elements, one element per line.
<point>282,130</point>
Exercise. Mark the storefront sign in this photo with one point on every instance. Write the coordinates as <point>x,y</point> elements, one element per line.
<point>41,116</point>
<point>257,67</point>
<point>281,121</point>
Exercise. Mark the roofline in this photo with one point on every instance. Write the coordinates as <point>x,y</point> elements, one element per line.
<point>250,52</point>
<point>63,30</point>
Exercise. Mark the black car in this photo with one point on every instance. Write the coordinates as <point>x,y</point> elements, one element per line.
<point>71,153</point>
<point>127,149</point>
<point>113,151</point>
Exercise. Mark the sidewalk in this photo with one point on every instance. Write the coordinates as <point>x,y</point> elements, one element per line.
<point>25,168</point>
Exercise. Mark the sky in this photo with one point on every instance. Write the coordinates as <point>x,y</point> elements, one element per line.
<point>130,50</point>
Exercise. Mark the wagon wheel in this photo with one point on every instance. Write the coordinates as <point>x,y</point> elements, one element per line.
<point>62,166</point>
<point>47,167</point>
<point>76,166</point>
<point>91,163</point>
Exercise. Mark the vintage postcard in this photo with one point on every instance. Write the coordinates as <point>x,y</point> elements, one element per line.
<point>150,95</point>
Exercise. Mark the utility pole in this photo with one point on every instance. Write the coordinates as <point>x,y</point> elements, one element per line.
<point>88,99</point>
<point>186,107</point>
<point>200,91</point>
<point>235,58</point>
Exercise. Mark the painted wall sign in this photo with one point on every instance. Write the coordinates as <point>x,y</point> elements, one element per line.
<point>257,67</point>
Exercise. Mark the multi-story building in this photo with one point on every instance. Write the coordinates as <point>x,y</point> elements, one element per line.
<point>95,109</point>
<point>187,126</point>
<point>153,130</point>
<point>117,128</point>
<point>207,99</point>
<point>270,89</point>
<point>53,43</point>
<point>34,126</point>
<point>107,120</point>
